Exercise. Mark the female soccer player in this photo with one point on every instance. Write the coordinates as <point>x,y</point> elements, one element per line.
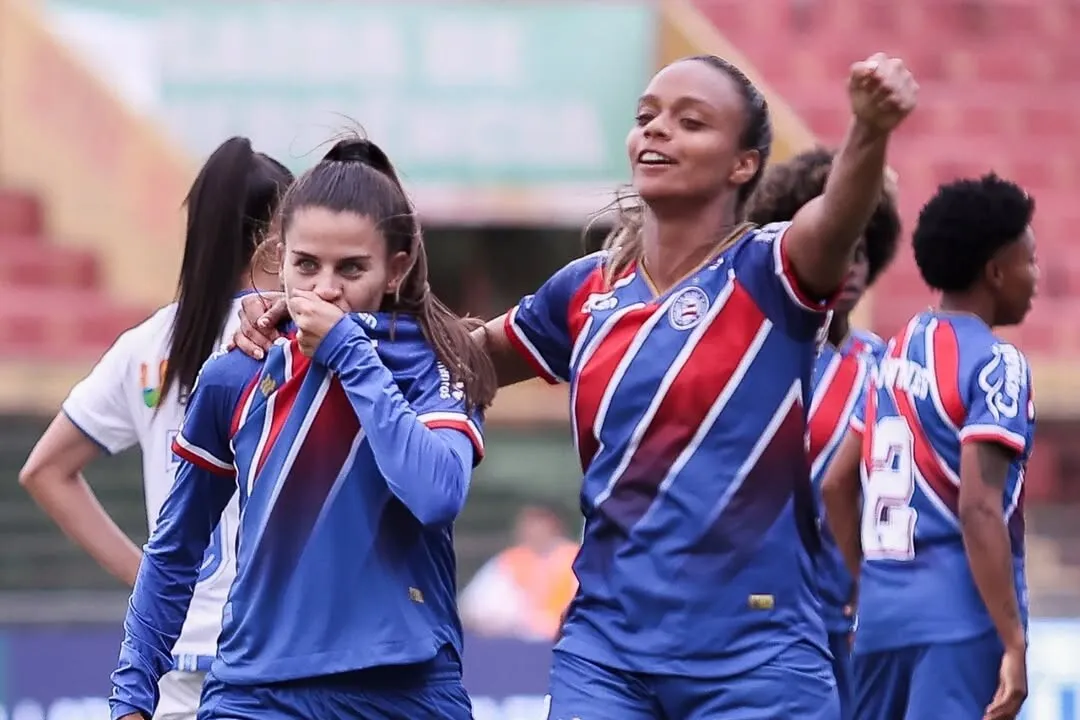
<point>688,349</point>
<point>136,394</point>
<point>943,435</point>
<point>840,371</point>
<point>352,446</point>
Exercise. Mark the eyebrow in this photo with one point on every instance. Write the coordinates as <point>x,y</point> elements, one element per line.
<point>679,102</point>
<point>352,258</point>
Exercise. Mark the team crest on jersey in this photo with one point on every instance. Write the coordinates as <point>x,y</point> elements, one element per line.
<point>688,308</point>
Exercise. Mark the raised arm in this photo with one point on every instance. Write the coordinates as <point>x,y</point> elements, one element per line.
<point>428,470</point>
<point>164,586</point>
<point>825,231</point>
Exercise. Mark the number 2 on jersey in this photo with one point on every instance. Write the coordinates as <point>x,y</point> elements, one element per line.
<point>888,520</point>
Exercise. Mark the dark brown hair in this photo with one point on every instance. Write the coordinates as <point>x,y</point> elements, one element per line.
<point>356,176</point>
<point>624,240</point>
<point>229,208</point>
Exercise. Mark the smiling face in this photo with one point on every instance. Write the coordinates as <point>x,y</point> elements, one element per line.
<point>685,142</point>
<point>342,256</point>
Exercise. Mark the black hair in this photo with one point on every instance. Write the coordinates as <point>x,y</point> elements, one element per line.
<point>357,176</point>
<point>624,240</point>
<point>229,208</point>
<point>964,224</point>
<point>786,187</point>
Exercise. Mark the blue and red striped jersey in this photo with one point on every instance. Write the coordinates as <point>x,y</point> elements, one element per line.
<point>945,380</point>
<point>839,379</point>
<point>689,417</point>
<point>351,467</point>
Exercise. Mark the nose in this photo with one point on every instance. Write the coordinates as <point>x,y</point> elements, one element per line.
<point>327,287</point>
<point>657,128</point>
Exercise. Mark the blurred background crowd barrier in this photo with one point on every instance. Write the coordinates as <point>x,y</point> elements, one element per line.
<point>507,120</point>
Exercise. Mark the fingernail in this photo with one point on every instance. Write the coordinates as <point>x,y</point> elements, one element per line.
<point>258,354</point>
<point>263,322</point>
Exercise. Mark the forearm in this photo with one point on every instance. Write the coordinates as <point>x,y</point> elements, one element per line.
<point>165,584</point>
<point>427,470</point>
<point>826,230</point>
<point>74,507</point>
<point>510,367</point>
<point>989,551</point>
<point>842,515</point>
<point>841,492</point>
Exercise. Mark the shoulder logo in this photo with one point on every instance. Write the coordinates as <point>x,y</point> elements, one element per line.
<point>768,233</point>
<point>367,319</point>
<point>449,390</point>
<point>599,302</point>
<point>1001,380</point>
<point>688,307</point>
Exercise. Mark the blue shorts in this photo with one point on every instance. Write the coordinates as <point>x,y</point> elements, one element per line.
<point>840,647</point>
<point>364,695</point>
<point>950,681</point>
<point>797,685</point>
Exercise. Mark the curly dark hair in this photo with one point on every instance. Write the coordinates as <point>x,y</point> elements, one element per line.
<point>964,224</point>
<point>788,186</point>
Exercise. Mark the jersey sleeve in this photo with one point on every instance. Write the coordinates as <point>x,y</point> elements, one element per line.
<point>999,399</point>
<point>764,267</point>
<point>205,438</point>
<point>99,404</point>
<point>427,468</point>
<point>439,403</point>
<point>164,586</point>
<point>540,327</point>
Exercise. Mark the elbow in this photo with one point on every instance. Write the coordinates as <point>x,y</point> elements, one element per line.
<point>29,476</point>
<point>439,511</point>
<point>35,475</point>
<point>833,495</point>
<point>442,501</point>
<point>975,515</point>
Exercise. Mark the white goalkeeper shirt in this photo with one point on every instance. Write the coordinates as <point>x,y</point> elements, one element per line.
<point>118,406</point>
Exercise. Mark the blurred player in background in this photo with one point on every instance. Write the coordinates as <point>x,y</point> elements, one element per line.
<point>840,371</point>
<point>352,446</point>
<point>136,395</point>
<point>943,436</point>
<point>689,348</point>
<point>525,589</point>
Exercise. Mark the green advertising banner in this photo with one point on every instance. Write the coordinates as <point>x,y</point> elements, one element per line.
<point>508,96</point>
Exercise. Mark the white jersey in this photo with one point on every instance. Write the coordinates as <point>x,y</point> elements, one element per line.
<point>118,406</point>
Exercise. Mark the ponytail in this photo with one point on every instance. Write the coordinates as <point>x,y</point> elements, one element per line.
<point>356,176</point>
<point>228,208</point>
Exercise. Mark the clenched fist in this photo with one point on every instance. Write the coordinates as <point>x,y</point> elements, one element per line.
<point>882,92</point>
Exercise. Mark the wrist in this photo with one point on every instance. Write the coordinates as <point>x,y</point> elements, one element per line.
<point>1015,642</point>
<point>346,329</point>
<point>863,132</point>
